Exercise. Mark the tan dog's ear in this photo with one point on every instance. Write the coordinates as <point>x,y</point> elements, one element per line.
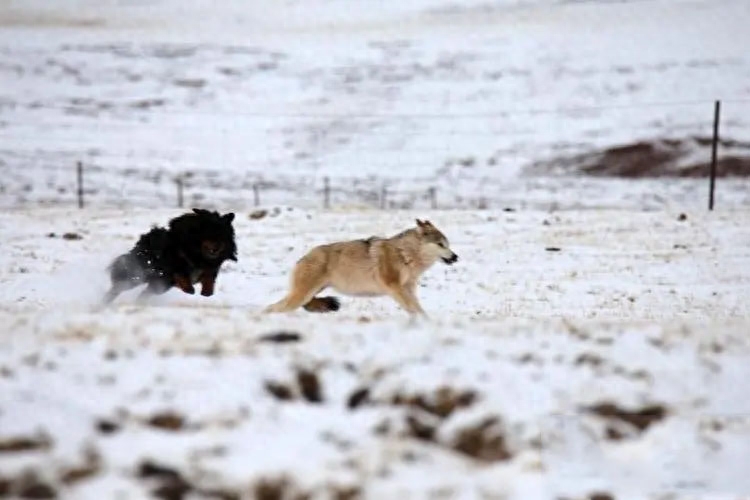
<point>421,223</point>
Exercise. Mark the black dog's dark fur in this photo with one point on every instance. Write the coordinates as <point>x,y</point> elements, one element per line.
<point>189,251</point>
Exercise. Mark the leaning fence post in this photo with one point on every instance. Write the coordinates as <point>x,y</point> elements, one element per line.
<point>326,193</point>
<point>179,182</point>
<point>714,148</point>
<point>79,176</point>
<point>433,197</point>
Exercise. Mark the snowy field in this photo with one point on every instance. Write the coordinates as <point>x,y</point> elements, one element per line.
<point>460,96</point>
<point>576,354</point>
<point>592,343</point>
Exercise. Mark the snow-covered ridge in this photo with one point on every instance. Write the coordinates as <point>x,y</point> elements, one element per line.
<point>420,97</point>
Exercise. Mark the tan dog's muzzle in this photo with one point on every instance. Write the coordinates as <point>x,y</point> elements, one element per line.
<point>452,259</point>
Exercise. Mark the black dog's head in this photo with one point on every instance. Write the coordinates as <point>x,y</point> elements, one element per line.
<point>206,235</point>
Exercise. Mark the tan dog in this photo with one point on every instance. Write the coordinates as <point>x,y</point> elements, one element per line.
<point>372,267</point>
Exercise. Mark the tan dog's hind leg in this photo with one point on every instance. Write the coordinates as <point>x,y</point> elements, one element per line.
<point>308,278</point>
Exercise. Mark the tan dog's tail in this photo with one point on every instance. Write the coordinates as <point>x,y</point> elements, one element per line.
<point>323,304</point>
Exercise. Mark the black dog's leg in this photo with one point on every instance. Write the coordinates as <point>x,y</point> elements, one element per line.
<point>208,281</point>
<point>124,274</point>
<point>156,287</point>
<point>112,293</point>
<point>183,283</point>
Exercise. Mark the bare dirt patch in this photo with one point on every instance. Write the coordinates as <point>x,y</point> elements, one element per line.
<point>637,420</point>
<point>280,337</point>
<point>25,443</point>
<point>168,420</point>
<point>689,157</point>
<point>441,403</point>
<point>484,441</point>
<point>308,387</point>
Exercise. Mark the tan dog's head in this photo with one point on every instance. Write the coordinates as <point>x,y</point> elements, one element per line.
<point>436,244</point>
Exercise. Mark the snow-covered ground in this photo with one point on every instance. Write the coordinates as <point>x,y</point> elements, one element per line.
<point>615,365</point>
<point>582,348</point>
<point>463,97</point>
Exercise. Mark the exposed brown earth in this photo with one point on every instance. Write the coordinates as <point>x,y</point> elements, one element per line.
<point>687,158</point>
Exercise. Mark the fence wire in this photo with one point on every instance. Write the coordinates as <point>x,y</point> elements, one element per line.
<point>419,166</point>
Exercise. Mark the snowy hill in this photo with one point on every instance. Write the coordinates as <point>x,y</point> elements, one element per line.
<point>461,97</point>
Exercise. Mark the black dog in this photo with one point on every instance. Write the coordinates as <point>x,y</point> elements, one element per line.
<point>191,250</point>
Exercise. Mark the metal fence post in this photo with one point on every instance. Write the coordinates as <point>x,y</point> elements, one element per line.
<point>714,148</point>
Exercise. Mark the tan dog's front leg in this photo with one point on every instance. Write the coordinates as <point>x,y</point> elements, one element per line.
<point>406,299</point>
<point>391,278</point>
<point>412,296</point>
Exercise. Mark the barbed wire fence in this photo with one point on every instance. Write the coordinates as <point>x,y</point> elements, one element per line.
<point>190,188</point>
<point>99,181</point>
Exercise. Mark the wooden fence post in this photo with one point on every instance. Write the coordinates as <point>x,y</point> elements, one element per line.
<point>79,177</point>
<point>180,198</point>
<point>433,197</point>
